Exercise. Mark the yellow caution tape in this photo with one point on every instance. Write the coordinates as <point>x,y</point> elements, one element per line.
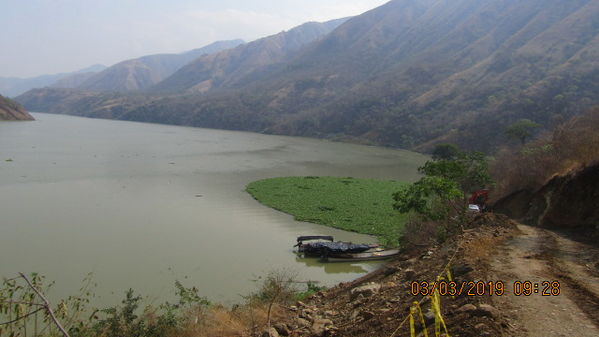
<point>422,322</point>
<point>449,278</point>
<point>412,327</point>
<point>448,272</point>
<point>435,307</point>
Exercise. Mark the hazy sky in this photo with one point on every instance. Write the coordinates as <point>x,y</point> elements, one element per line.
<point>52,36</point>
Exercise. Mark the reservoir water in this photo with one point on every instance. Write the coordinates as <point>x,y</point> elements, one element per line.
<point>142,205</point>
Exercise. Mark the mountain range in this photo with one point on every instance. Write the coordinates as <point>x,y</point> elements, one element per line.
<point>409,74</point>
<point>235,67</point>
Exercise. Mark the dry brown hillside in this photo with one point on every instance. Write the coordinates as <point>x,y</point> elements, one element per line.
<point>11,110</point>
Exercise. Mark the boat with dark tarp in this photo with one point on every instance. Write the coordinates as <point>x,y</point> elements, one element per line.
<point>327,249</point>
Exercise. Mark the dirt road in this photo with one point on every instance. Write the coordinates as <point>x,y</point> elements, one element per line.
<point>539,255</point>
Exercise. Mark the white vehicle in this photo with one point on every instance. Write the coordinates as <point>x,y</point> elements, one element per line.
<point>473,208</point>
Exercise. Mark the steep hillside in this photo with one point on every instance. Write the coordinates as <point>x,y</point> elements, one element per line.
<point>12,111</point>
<point>145,71</point>
<point>408,73</point>
<point>553,181</point>
<point>13,86</point>
<point>235,67</point>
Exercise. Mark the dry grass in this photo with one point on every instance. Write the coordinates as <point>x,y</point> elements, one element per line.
<point>572,145</point>
<point>245,321</point>
<point>249,319</point>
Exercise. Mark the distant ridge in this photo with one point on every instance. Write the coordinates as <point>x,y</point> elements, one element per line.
<point>234,67</point>
<point>148,70</point>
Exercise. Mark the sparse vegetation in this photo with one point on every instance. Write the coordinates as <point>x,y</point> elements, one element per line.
<point>437,201</point>
<point>357,205</point>
<point>191,315</point>
<point>573,144</point>
<point>445,152</point>
<point>522,130</point>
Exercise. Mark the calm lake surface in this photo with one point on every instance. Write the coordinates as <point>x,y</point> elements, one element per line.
<point>142,205</point>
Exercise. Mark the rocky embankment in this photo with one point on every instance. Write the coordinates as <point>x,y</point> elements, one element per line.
<point>378,304</point>
<point>13,111</point>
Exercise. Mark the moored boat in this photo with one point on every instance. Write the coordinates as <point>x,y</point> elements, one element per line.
<point>320,246</point>
<point>329,250</point>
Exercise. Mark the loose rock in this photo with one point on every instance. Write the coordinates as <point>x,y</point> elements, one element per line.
<point>282,329</point>
<point>330,313</point>
<point>488,310</point>
<point>366,315</point>
<point>389,285</point>
<point>270,332</point>
<point>467,308</point>
<point>480,326</point>
<point>303,322</point>
<point>429,317</point>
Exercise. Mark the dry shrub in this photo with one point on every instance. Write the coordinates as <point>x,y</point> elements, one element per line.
<point>572,145</point>
<point>262,308</point>
<point>216,321</point>
<point>419,233</point>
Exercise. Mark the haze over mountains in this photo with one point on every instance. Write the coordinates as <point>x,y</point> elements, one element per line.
<point>146,71</point>
<point>128,75</point>
<point>408,73</point>
<point>14,86</point>
<point>232,67</point>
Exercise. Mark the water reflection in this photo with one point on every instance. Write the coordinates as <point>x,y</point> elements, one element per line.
<point>338,267</point>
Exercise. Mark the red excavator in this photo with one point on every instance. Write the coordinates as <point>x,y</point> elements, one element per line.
<point>479,198</point>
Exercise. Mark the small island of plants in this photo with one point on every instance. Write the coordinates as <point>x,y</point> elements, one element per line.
<point>359,205</point>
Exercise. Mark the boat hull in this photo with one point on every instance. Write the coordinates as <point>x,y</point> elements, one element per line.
<point>367,256</point>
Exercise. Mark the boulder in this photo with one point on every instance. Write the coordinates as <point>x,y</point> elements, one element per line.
<point>367,290</point>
